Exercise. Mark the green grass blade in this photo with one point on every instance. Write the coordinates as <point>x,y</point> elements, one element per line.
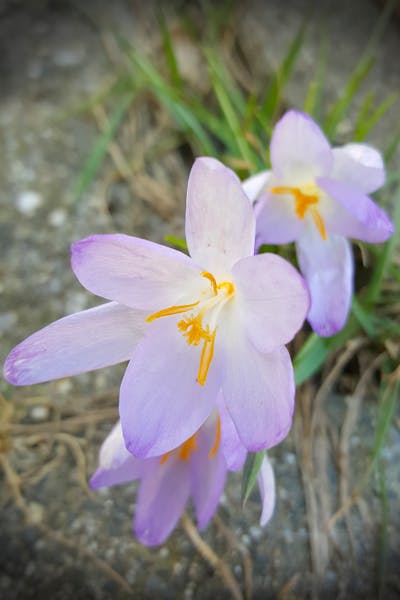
<point>176,241</point>
<point>385,257</point>
<point>168,96</point>
<point>228,110</point>
<point>279,79</point>
<point>392,147</point>
<point>100,147</point>
<point>365,125</point>
<point>170,57</point>
<point>341,106</point>
<point>250,472</point>
<point>313,101</point>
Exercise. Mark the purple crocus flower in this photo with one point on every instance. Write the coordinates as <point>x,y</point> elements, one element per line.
<point>316,196</point>
<point>197,468</point>
<point>190,326</point>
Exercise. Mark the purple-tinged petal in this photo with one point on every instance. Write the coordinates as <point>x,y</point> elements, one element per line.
<point>161,403</point>
<point>207,473</point>
<point>258,391</point>
<point>272,298</point>
<point>135,272</point>
<point>94,338</point>
<point>220,224</point>
<point>328,269</point>
<point>353,214</point>
<point>266,484</point>
<point>162,496</point>
<point>113,451</point>
<point>276,220</point>
<point>116,464</point>
<point>359,165</point>
<point>299,149</point>
<point>256,185</point>
<point>232,448</point>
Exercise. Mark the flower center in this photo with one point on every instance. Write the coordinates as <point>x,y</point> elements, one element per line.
<point>185,450</point>
<point>193,327</point>
<point>306,198</point>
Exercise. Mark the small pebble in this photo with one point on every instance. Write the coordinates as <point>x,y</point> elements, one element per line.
<point>28,202</point>
<point>57,217</point>
<point>39,413</point>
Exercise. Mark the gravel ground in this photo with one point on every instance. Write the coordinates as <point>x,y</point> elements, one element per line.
<point>61,541</point>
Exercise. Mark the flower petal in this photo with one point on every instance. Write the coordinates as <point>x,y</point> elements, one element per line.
<point>276,220</point>
<point>208,474</point>
<point>266,484</point>
<point>359,165</point>
<point>116,464</point>
<point>255,185</point>
<point>258,391</point>
<point>94,338</point>
<point>162,496</point>
<point>299,149</point>
<point>353,214</point>
<point>161,403</point>
<point>135,272</point>
<point>272,298</point>
<point>328,269</point>
<point>232,448</point>
<point>220,223</point>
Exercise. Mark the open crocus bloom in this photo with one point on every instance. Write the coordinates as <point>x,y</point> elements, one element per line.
<point>316,196</point>
<point>197,468</point>
<point>191,326</point>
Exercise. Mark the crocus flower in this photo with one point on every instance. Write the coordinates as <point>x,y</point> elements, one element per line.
<point>196,469</point>
<point>316,196</point>
<point>217,320</point>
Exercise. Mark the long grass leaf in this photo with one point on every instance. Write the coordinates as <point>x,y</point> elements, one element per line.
<point>274,92</point>
<point>100,146</point>
<point>365,125</point>
<point>339,110</point>
<point>250,472</point>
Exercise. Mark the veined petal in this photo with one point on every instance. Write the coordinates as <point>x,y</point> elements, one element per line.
<point>353,214</point>
<point>162,496</point>
<point>276,220</point>
<point>207,473</point>
<point>161,403</point>
<point>359,165</point>
<point>94,338</point>
<point>256,185</point>
<point>328,269</point>
<point>258,390</point>
<point>299,149</point>
<point>266,484</point>
<point>220,224</point>
<point>231,445</point>
<point>135,272</point>
<point>272,298</point>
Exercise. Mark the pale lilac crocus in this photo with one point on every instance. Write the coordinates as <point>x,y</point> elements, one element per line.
<point>316,196</point>
<point>196,469</point>
<point>190,326</point>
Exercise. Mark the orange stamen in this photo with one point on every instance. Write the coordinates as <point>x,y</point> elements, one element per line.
<point>319,222</point>
<point>192,325</point>
<point>165,457</point>
<point>217,440</point>
<point>206,357</point>
<point>211,278</point>
<point>187,448</point>
<point>303,202</point>
<point>171,310</point>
